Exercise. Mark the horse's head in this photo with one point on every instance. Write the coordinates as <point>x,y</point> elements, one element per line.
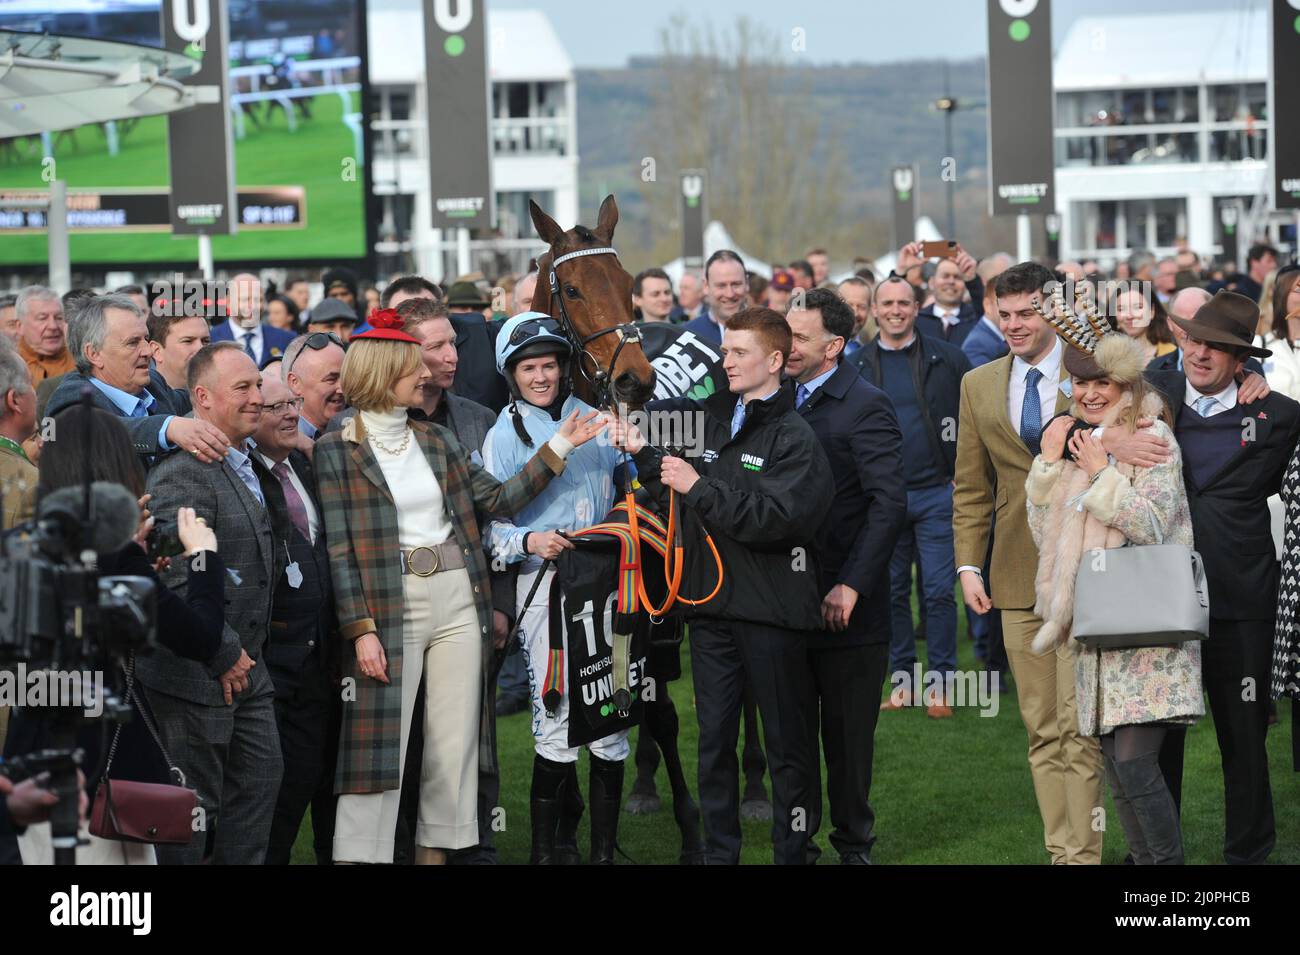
<point>597,298</point>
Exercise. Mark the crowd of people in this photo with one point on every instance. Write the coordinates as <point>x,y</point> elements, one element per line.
<point>368,492</point>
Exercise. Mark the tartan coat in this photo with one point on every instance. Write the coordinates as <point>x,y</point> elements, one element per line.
<point>361,530</point>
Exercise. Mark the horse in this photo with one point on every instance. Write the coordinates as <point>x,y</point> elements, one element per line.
<point>582,286</point>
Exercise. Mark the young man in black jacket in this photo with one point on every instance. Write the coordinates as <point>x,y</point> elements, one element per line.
<point>761,486</point>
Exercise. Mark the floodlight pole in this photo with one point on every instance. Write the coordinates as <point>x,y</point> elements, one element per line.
<point>60,260</point>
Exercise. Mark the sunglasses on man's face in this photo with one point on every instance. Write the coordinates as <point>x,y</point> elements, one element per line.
<point>316,341</point>
<point>526,330</point>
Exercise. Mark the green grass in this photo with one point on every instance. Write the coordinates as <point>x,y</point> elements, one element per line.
<point>312,158</point>
<point>944,791</point>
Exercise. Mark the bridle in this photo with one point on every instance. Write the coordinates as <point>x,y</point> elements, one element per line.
<point>600,379</point>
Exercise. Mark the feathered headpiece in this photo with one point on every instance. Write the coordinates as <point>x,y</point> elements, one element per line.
<point>1096,350</point>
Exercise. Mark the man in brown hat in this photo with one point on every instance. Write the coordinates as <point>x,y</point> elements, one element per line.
<point>476,373</point>
<point>1234,456</point>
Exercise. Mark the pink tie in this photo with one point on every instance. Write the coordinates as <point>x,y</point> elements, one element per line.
<point>297,510</point>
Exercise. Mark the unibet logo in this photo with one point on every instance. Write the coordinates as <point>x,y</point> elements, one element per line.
<point>1018,9</point>
<point>191,29</point>
<point>692,189</point>
<point>453,23</point>
<point>903,182</point>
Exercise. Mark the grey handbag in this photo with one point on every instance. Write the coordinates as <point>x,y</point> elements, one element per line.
<point>1147,595</point>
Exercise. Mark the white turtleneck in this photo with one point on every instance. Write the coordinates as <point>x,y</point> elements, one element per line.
<point>421,510</point>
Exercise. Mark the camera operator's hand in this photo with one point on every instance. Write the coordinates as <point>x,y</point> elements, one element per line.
<point>146,522</point>
<point>199,438</point>
<point>194,532</point>
<point>28,803</point>
<point>235,680</point>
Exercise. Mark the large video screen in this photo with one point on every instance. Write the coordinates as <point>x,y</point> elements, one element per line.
<point>297,89</point>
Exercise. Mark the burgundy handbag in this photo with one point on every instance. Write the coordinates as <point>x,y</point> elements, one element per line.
<point>156,813</point>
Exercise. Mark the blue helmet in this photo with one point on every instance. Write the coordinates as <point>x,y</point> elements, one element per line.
<point>527,335</point>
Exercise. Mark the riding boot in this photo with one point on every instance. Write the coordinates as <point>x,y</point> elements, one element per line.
<point>544,807</point>
<point>571,808</point>
<point>606,794</point>
<point>1137,844</point>
<point>1144,785</point>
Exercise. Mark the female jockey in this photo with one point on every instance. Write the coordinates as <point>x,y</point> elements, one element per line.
<point>533,356</point>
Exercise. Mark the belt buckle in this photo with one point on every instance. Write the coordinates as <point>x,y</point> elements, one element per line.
<point>433,553</point>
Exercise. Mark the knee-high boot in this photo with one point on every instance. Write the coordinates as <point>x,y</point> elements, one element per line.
<point>1144,785</point>
<point>1137,844</point>
<point>605,795</point>
<point>571,808</point>
<point>544,805</point>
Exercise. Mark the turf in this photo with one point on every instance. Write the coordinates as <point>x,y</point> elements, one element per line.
<point>312,158</point>
<point>952,791</point>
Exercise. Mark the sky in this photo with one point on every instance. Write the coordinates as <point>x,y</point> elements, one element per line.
<point>607,32</point>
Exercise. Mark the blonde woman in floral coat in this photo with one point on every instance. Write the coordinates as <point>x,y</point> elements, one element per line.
<point>1079,502</point>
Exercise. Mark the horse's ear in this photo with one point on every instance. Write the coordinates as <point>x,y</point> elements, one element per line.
<point>547,228</point>
<point>607,219</point>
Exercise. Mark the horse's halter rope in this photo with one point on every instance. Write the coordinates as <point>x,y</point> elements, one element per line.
<point>601,380</point>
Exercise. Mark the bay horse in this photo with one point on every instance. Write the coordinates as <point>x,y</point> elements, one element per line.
<point>581,285</point>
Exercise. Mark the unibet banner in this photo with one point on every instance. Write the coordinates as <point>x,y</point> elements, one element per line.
<point>457,98</point>
<point>1284,152</point>
<point>1021,155</point>
<point>902,184</point>
<point>692,183</point>
<point>198,138</point>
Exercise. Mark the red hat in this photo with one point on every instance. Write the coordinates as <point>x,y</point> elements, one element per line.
<point>782,280</point>
<point>386,325</point>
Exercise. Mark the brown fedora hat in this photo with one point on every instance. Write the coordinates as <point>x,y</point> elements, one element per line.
<point>1227,319</point>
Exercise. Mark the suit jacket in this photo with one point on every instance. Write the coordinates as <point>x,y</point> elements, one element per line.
<point>983,345</point>
<point>477,377</point>
<point>361,526</point>
<point>857,428</point>
<point>146,433</point>
<point>705,327</point>
<point>18,478</point>
<point>247,546</point>
<point>992,465</point>
<point>968,316</point>
<point>274,340</point>
<point>1230,516</point>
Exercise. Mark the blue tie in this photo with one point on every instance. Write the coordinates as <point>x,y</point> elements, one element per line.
<point>800,395</point>
<point>1031,412</point>
<point>1204,404</point>
<point>248,347</point>
<point>738,417</point>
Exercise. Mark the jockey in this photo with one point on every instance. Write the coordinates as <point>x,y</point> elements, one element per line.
<point>533,355</point>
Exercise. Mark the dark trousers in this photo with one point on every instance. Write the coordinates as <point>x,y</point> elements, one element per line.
<point>1237,650</point>
<point>724,654</point>
<point>847,683</point>
<point>304,705</point>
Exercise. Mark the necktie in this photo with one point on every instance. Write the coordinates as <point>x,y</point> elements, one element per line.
<point>737,417</point>
<point>800,395</point>
<point>293,500</point>
<point>1204,404</point>
<point>248,346</point>
<point>1031,412</point>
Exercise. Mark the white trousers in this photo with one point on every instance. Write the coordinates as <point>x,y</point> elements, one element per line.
<point>552,735</point>
<point>441,640</point>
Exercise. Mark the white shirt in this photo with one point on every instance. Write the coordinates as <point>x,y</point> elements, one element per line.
<point>947,315</point>
<point>239,333</point>
<point>313,519</point>
<point>1048,385</point>
<point>1227,398</point>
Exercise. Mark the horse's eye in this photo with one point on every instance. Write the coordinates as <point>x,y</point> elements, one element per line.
<point>572,292</point>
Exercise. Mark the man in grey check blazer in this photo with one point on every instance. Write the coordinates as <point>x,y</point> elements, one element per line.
<point>218,720</point>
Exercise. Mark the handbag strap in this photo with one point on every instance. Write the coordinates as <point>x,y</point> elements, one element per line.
<point>144,716</point>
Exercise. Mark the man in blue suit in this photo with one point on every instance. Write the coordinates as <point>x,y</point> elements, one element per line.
<point>245,328</point>
<point>856,425</point>
<point>985,343</point>
<point>728,293</point>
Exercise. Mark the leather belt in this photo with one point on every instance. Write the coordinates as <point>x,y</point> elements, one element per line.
<point>427,561</point>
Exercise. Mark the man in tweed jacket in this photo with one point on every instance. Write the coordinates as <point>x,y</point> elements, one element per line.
<point>218,720</point>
